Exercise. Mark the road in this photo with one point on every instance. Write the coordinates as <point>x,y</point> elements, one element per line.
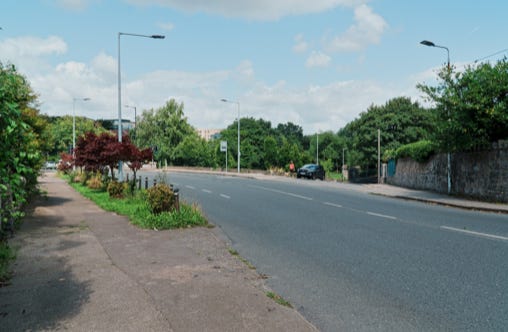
<point>349,261</point>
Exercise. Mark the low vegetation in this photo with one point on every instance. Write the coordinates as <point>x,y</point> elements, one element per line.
<point>277,298</point>
<point>136,206</point>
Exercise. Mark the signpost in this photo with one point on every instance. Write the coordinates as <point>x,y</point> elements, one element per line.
<point>224,148</point>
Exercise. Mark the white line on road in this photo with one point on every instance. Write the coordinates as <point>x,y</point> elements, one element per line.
<point>284,193</point>
<point>190,187</point>
<point>206,191</point>
<point>225,196</point>
<point>332,204</point>
<point>492,236</point>
<point>381,215</point>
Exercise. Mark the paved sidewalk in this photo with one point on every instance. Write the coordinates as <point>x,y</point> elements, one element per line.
<point>80,268</point>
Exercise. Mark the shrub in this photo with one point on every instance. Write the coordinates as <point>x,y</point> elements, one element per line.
<point>419,151</point>
<point>95,182</point>
<point>160,198</point>
<point>6,256</point>
<point>116,189</point>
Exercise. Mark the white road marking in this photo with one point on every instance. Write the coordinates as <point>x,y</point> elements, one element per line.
<point>225,196</point>
<point>492,236</point>
<point>332,204</point>
<point>381,215</point>
<point>190,187</point>
<point>284,193</point>
<point>206,191</point>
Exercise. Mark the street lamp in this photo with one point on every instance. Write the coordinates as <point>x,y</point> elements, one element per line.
<point>74,124</point>
<point>448,163</point>
<point>120,171</point>
<point>238,152</point>
<point>135,115</point>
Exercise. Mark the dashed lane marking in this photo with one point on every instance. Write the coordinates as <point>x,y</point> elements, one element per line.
<point>225,196</point>
<point>491,236</point>
<point>381,215</point>
<point>332,204</point>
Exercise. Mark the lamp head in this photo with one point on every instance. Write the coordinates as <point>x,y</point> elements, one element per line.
<point>157,36</point>
<point>427,43</point>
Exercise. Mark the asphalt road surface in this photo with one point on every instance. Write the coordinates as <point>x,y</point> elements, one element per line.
<point>350,261</point>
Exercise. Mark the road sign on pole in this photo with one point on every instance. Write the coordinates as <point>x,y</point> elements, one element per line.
<point>224,148</point>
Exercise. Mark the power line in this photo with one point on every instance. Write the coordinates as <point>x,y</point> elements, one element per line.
<point>491,55</point>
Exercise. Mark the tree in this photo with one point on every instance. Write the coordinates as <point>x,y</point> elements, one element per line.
<point>471,106</point>
<point>163,129</point>
<point>400,121</point>
<point>60,132</point>
<point>192,151</point>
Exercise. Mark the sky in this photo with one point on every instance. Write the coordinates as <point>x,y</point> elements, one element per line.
<point>317,64</point>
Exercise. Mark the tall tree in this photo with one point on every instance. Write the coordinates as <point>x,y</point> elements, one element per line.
<point>471,106</point>
<point>163,129</point>
<point>400,121</point>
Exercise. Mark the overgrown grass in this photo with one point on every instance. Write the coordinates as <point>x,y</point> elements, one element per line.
<point>137,210</point>
<point>335,176</point>
<point>277,298</point>
<point>235,253</point>
<point>6,256</point>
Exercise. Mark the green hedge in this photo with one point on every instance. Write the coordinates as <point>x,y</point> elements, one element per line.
<point>419,151</point>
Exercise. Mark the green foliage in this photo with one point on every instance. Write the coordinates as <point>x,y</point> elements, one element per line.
<point>471,106</point>
<point>400,121</point>
<point>419,151</point>
<point>116,189</point>
<point>6,256</point>
<point>136,208</point>
<point>160,198</point>
<point>164,128</point>
<point>22,132</point>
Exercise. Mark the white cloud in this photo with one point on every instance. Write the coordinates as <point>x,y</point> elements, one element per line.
<point>301,45</point>
<point>168,26</point>
<point>252,9</point>
<point>75,5</point>
<point>318,59</point>
<point>367,29</point>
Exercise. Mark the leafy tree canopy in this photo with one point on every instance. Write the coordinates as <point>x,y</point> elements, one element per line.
<point>471,106</point>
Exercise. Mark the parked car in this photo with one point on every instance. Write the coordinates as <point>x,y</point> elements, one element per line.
<point>311,171</point>
<point>50,165</point>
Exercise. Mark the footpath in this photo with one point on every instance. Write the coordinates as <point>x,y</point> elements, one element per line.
<point>80,268</point>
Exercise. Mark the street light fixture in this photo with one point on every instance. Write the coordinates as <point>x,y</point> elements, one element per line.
<point>74,124</point>
<point>238,152</point>
<point>431,44</point>
<point>448,163</point>
<point>120,170</point>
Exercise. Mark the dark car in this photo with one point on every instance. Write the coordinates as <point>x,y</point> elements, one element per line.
<point>311,171</point>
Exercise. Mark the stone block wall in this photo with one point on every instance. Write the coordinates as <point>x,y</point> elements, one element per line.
<point>479,175</point>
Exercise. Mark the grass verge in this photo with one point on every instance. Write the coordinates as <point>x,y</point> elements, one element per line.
<point>138,211</point>
<point>235,253</point>
<point>277,298</point>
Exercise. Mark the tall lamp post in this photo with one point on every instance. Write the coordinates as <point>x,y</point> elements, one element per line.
<point>120,34</point>
<point>74,124</point>
<point>238,152</point>
<point>448,157</point>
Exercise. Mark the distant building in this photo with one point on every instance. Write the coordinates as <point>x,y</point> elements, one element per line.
<point>126,124</point>
<point>209,134</point>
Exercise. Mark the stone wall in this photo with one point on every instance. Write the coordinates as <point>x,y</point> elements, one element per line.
<point>479,175</point>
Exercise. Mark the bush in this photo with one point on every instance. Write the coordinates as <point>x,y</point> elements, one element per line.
<point>419,151</point>
<point>160,198</point>
<point>6,256</point>
<point>95,182</point>
<point>116,189</point>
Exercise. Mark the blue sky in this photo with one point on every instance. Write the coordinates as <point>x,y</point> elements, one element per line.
<point>316,63</point>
